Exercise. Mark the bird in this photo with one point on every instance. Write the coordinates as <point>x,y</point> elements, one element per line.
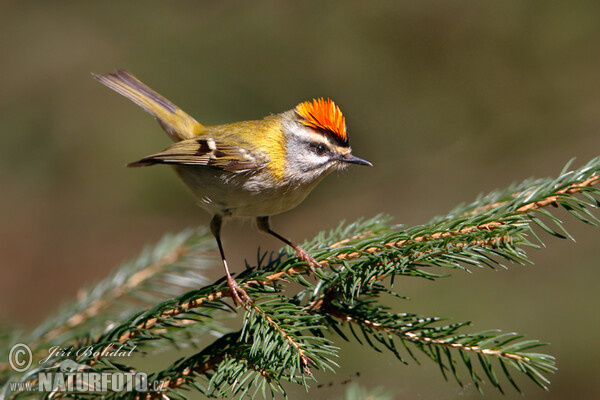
<point>246,169</point>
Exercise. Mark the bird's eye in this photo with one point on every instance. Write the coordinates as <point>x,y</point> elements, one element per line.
<point>320,149</point>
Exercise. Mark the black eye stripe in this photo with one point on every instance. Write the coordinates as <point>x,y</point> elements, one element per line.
<point>333,137</point>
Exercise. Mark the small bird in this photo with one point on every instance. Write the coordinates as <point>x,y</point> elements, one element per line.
<point>250,168</point>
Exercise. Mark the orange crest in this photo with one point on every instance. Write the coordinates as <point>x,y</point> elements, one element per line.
<point>323,115</point>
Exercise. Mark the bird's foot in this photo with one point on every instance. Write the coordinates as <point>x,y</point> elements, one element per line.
<point>307,258</point>
<point>239,295</point>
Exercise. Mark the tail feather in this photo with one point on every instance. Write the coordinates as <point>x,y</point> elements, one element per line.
<point>174,121</point>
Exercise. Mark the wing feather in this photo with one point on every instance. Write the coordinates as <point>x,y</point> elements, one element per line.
<point>205,152</point>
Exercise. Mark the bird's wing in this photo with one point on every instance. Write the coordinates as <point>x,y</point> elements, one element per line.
<point>206,151</point>
<point>174,121</point>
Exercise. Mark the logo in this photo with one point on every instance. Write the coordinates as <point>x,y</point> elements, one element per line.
<point>70,376</point>
<point>20,357</point>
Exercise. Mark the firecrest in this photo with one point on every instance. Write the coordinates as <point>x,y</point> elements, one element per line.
<point>250,168</point>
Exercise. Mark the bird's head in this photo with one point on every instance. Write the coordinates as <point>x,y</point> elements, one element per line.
<point>317,142</point>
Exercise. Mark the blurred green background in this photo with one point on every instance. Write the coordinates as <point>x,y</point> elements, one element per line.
<point>448,99</point>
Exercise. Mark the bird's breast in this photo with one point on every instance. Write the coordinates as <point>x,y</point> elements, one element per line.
<point>249,194</point>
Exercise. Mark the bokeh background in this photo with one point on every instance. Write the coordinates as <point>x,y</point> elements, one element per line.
<point>448,99</point>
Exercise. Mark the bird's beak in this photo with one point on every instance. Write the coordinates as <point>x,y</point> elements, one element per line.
<point>349,158</point>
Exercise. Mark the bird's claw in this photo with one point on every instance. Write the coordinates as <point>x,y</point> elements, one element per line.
<point>308,259</point>
<point>239,295</point>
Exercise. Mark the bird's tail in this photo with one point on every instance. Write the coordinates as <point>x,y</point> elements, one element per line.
<point>175,122</point>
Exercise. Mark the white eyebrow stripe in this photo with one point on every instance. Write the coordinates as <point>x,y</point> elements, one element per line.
<point>320,138</point>
<point>317,137</point>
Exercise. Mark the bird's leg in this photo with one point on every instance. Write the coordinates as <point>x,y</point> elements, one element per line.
<point>264,225</point>
<point>238,294</point>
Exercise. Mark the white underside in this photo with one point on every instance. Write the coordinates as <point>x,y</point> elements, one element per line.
<point>241,194</point>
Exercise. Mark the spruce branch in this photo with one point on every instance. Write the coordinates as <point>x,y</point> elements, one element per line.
<point>157,273</point>
<point>172,266</point>
<point>290,329</point>
<point>380,326</point>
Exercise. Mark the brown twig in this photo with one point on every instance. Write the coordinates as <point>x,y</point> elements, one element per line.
<point>322,301</point>
<point>413,337</point>
<point>571,189</point>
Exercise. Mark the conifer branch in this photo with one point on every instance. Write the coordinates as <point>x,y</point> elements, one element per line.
<point>287,334</point>
<point>119,291</point>
<point>172,266</point>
